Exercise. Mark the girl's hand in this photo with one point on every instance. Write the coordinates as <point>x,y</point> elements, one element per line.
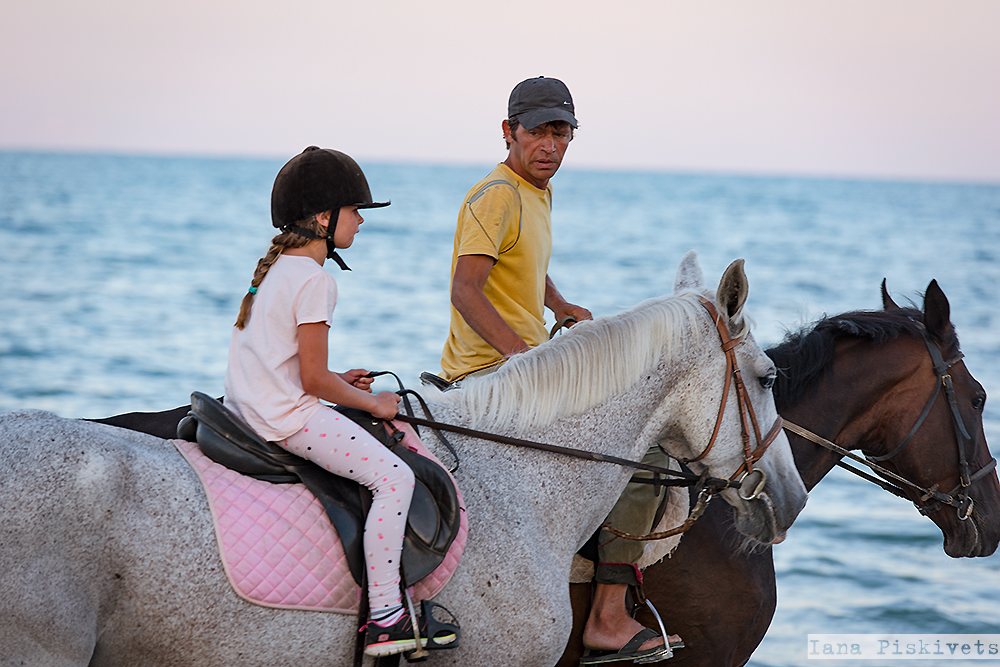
<point>357,377</point>
<point>386,405</point>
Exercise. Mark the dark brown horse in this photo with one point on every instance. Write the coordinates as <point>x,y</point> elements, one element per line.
<point>862,380</point>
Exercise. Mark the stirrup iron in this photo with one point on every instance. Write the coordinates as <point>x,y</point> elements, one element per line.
<point>449,633</point>
<point>669,652</point>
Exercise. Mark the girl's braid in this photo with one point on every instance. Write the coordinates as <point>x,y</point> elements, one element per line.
<point>279,244</point>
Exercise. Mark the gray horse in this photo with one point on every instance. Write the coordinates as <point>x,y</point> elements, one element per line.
<point>108,554</point>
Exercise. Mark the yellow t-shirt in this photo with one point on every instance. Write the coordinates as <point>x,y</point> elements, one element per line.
<point>508,219</point>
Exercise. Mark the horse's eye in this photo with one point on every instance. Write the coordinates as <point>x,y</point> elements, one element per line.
<point>767,381</point>
<point>978,403</point>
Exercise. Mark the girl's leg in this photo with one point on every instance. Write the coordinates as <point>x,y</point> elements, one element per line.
<point>339,445</point>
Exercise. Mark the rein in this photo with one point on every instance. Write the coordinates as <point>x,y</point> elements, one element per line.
<point>957,497</point>
<point>686,478</point>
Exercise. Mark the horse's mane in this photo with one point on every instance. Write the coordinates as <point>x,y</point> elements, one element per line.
<point>587,365</point>
<point>806,355</point>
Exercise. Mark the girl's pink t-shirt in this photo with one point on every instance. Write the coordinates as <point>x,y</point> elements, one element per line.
<point>263,383</point>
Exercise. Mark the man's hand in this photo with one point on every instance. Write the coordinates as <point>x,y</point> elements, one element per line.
<point>578,313</point>
<point>562,308</point>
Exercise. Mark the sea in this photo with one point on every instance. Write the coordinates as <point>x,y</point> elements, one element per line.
<point>121,277</point>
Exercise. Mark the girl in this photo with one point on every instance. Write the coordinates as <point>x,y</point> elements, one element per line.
<point>278,368</point>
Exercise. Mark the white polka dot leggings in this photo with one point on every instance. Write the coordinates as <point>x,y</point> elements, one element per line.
<point>339,445</point>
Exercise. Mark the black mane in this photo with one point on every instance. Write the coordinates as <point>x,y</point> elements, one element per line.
<point>805,356</point>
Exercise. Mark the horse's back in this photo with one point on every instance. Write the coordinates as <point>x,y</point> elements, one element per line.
<point>76,506</point>
<point>54,501</point>
<point>55,467</point>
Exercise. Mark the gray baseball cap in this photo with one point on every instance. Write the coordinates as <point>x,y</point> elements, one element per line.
<point>541,100</point>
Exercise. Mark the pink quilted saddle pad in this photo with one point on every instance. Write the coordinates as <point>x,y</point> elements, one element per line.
<point>278,546</point>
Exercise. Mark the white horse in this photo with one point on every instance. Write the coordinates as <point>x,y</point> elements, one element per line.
<point>108,555</point>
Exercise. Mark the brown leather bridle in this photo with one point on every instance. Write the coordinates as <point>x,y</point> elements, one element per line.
<point>748,488</point>
<point>733,376</point>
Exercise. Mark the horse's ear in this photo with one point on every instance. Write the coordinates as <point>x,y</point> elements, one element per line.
<point>733,290</point>
<point>937,313</point>
<point>689,274</point>
<point>887,302</point>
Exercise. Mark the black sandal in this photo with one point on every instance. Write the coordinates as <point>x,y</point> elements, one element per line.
<point>631,651</point>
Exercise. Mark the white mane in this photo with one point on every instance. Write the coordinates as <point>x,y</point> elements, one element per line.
<point>584,367</point>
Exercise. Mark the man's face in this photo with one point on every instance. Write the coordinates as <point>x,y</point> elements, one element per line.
<point>535,154</point>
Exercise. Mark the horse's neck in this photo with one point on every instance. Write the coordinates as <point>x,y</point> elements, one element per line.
<point>845,406</point>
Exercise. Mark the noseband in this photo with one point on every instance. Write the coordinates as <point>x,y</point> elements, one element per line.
<point>957,497</point>
<point>733,376</point>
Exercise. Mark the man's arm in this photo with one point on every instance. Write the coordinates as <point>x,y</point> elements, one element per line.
<point>471,272</point>
<point>560,307</point>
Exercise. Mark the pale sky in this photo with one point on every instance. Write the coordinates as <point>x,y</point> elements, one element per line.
<point>860,88</point>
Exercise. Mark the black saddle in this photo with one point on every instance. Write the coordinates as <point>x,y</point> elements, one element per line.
<point>432,523</point>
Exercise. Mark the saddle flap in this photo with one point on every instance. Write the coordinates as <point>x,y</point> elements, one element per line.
<point>434,517</point>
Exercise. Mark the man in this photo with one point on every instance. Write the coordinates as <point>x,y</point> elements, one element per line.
<point>500,285</point>
<point>499,291</point>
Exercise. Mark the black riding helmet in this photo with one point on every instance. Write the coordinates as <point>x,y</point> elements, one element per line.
<point>317,180</point>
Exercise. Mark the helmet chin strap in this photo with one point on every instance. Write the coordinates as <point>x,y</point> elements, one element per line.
<point>331,248</point>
